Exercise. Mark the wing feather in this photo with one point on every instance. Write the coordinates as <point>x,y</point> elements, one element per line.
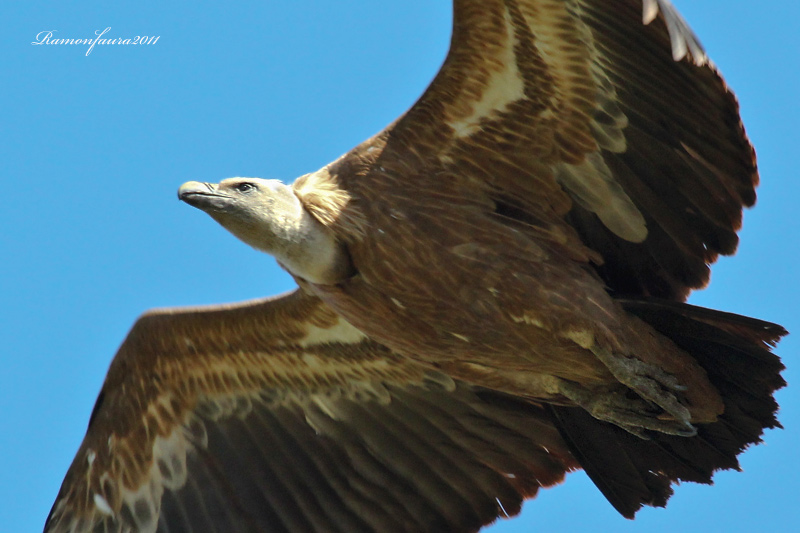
<point>603,119</point>
<point>276,415</point>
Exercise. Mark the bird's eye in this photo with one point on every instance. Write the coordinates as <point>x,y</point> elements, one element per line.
<point>245,187</point>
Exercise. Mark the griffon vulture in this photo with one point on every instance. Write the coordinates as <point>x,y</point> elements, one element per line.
<point>491,295</point>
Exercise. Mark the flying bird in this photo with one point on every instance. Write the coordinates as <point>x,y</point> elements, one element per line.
<point>491,294</point>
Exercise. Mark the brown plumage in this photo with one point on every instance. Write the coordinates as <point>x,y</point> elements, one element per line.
<point>491,295</point>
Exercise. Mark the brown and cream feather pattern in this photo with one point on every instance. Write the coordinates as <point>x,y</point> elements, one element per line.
<point>565,112</point>
<point>556,193</point>
<point>276,415</point>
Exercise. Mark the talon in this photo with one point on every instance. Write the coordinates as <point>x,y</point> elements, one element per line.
<point>651,383</point>
<point>633,415</point>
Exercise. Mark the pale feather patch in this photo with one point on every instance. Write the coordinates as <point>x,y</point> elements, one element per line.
<point>342,332</point>
<point>170,458</point>
<point>141,507</point>
<point>590,182</point>
<point>102,505</point>
<point>525,383</point>
<point>225,406</point>
<point>593,186</point>
<point>608,120</point>
<point>568,60</point>
<point>577,68</point>
<point>684,41</point>
<point>194,431</point>
<point>321,195</point>
<point>528,319</point>
<point>504,87</point>
<point>327,406</point>
<point>332,402</point>
<point>369,392</point>
<point>439,380</point>
<point>460,337</point>
<point>583,338</point>
<point>311,360</point>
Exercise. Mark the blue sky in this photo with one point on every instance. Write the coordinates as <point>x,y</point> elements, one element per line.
<point>91,234</point>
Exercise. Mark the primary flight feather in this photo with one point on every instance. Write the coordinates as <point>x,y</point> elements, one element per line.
<point>491,294</point>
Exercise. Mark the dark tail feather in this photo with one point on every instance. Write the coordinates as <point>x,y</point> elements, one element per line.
<point>735,353</point>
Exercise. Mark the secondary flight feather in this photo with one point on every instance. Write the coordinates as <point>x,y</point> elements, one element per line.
<point>491,295</point>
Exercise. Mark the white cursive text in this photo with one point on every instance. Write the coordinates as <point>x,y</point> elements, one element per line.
<point>47,37</point>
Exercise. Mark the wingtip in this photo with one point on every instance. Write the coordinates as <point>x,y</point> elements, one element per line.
<point>685,43</point>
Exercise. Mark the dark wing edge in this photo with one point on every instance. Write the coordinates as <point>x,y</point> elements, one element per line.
<point>688,164</point>
<point>276,415</point>
<point>600,124</point>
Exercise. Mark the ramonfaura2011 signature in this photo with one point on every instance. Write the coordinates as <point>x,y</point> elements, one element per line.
<point>47,37</point>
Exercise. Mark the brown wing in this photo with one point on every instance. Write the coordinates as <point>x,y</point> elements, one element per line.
<point>574,117</point>
<point>278,416</point>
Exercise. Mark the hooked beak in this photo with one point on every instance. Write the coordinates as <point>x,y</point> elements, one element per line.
<point>205,196</point>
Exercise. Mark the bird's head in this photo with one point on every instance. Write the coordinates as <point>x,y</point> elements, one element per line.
<point>268,215</point>
<point>260,212</point>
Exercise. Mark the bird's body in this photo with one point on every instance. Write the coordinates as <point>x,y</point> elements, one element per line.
<point>503,297</point>
<point>491,295</point>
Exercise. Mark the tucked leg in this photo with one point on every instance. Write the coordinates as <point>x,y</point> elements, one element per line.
<point>634,415</point>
